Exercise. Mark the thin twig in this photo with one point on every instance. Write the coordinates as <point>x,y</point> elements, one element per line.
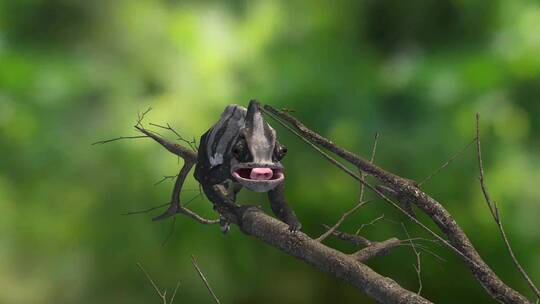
<point>203,278</point>
<point>174,292</point>
<point>171,232</point>
<point>418,266</point>
<point>371,160</point>
<point>448,162</point>
<point>145,210</point>
<point>101,142</point>
<point>140,116</point>
<point>371,223</point>
<point>492,205</point>
<point>165,177</point>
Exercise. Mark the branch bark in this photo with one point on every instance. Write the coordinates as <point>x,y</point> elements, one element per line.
<point>326,259</point>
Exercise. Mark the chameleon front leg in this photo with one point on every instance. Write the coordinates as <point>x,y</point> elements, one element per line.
<point>281,209</point>
<point>233,190</point>
<point>174,207</point>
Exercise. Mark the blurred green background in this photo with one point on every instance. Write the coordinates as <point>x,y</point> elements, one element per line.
<point>74,72</point>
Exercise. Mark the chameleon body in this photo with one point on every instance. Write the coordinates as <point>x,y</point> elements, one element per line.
<point>241,151</point>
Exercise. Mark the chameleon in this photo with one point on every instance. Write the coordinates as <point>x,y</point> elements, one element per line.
<point>239,151</point>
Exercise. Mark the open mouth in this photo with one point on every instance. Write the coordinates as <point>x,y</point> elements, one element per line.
<point>258,174</point>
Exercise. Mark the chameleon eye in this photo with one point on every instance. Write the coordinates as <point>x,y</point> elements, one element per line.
<point>238,150</point>
<point>281,152</point>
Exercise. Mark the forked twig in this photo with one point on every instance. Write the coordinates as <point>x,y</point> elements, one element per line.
<point>494,210</point>
<point>161,293</point>
<point>203,278</point>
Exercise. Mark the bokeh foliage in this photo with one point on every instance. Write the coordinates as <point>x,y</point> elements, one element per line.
<point>74,72</point>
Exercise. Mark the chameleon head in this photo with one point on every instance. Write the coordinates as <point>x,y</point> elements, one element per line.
<point>257,154</point>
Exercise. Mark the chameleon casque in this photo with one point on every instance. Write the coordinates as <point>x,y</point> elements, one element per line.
<point>241,151</point>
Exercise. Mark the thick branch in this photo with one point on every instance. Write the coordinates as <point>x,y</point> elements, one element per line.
<point>343,266</point>
<point>440,216</point>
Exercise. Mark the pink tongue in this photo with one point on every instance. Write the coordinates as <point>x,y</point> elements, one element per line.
<point>261,173</point>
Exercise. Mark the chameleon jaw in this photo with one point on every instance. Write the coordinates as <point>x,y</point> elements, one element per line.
<point>243,176</point>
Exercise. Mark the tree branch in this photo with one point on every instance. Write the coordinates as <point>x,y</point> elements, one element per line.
<point>457,239</point>
<point>492,205</point>
<point>341,265</point>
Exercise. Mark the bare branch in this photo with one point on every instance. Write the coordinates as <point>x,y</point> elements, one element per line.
<point>337,150</point>
<point>203,278</point>
<point>458,242</point>
<point>343,266</point>
<point>492,205</point>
